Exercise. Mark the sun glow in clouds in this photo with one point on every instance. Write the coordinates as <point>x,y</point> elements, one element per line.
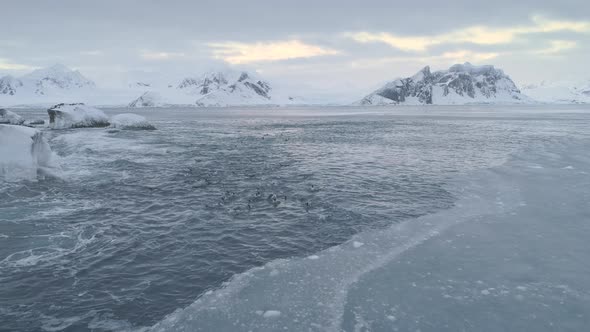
<point>240,53</point>
<point>149,55</point>
<point>4,65</point>
<point>480,35</point>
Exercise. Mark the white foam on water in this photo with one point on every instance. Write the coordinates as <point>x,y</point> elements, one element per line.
<point>130,121</point>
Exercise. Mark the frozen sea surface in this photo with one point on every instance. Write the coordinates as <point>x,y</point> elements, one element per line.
<point>442,218</point>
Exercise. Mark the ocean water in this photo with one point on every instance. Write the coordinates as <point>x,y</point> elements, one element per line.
<point>355,219</point>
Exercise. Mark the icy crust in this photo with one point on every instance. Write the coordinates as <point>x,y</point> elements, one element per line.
<point>64,116</point>
<point>23,153</point>
<point>130,121</point>
<point>8,117</point>
<point>460,84</point>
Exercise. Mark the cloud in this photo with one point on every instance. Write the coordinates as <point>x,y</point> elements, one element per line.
<point>558,46</point>
<point>481,35</point>
<point>155,56</point>
<point>446,58</point>
<point>242,53</point>
<point>92,53</point>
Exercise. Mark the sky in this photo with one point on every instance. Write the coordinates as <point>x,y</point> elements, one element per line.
<point>337,48</point>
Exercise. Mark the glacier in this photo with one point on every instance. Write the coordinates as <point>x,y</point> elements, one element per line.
<point>559,92</point>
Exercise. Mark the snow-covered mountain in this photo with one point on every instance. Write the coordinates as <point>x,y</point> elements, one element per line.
<point>460,84</point>
<point>214,89</point>
<point>46,81</point>
<point>559,92</point>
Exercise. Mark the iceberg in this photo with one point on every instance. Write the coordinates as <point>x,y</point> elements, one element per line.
<point>8,117</point>
<point>130,121</point>
<point>23,152</point>
<point>63,116</point>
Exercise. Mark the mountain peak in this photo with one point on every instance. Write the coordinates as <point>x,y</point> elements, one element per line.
<point>460,84</point>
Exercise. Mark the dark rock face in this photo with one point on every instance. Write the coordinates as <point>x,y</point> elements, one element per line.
<point>261,88</point>
<point>461,80</point>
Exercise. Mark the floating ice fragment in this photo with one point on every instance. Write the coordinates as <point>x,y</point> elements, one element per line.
<point>485,292</point>
<point>313,257</point>
<point>271,314</point>
<point>357,244</point>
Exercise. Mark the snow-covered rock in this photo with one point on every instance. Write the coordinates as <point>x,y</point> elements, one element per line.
<point>23,153</point>
<point>560,92</point>
<point>131,121</point>
<point>8,117</point>
<point>63,116</point>
<point>460,84</point>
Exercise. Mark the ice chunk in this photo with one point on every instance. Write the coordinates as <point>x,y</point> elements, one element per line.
<point>63,116</point>
<point>130,121</point>
<point>271,314</point>
<point>23,152</point>
<point>357,244</point>
<point>8,117</point>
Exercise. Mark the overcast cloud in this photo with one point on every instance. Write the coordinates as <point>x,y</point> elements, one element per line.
<point>334,47</point>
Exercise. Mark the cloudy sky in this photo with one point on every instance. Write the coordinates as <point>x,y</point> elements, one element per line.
<point>334,47</point>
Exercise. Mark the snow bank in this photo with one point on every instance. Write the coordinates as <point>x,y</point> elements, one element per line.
<point>130,121</point>
<point>8,117</point>
<point>62,116</point>
<point>23,152</point>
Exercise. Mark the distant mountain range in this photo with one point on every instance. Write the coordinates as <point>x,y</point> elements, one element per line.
<point>559,92</point>
<point>215,89</point>
<point>460,84</point>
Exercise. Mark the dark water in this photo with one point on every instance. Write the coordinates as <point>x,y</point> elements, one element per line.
<point>138,224</point>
